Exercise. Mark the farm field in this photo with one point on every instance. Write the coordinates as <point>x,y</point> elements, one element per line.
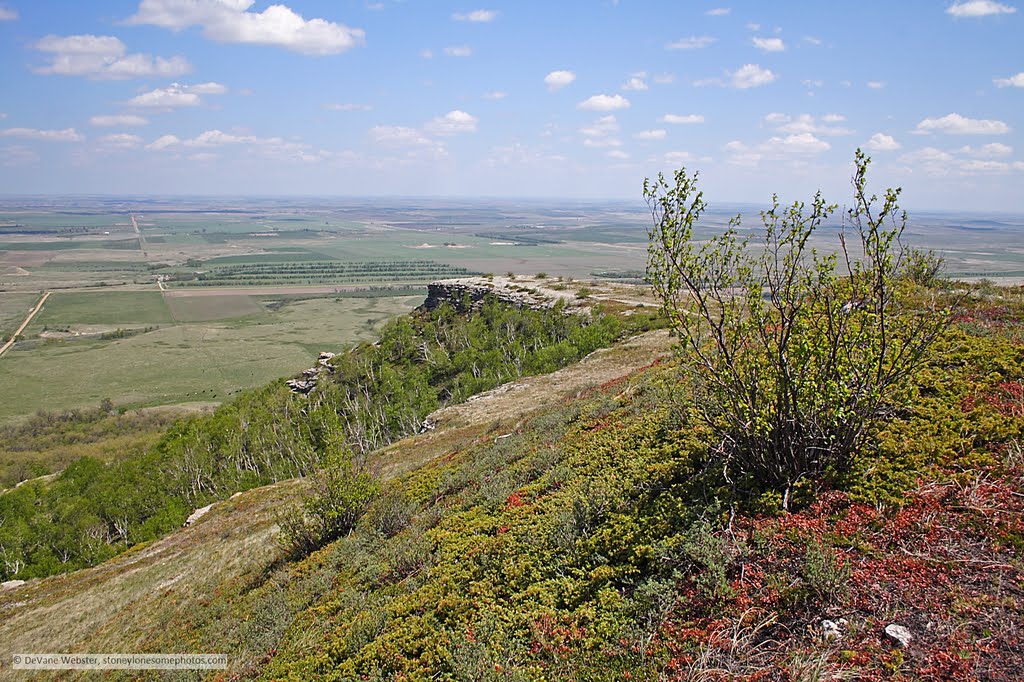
<point>211,296</point>
<point>196,350</point>
<point>13,309</point>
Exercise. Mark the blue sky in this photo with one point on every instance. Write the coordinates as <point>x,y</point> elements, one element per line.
<point>575,98</point>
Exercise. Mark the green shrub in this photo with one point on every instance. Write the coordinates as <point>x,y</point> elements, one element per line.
<point>340,491</point>
<point>792,356</point>
<point>826,573</point>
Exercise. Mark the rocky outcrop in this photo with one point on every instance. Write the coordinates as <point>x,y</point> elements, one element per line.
<point>476,289</point>
<point>310,376</point>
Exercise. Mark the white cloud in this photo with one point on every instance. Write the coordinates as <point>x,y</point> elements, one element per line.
<point>618,154</point>
<point>458,51</point>
<point>207,88</point>
<point>268,147</point>
<point>176,95</point>
<point>1016,81</point>
<point>452,123</point>
<point>930,160</point>
<point>664,78</point>
<point>988,150</point>
<point>678,158</point>
<point>691,43</point>
<point>602,133</point>
<point>602,127</point>
<point>979,8</point>
<point>163,142</point>
<point>718,12</point>
<point>812,40</point>
<point>775,148</point>
<point>556,80</point>
<point>495,95</point>
<point>230,21</point>
<point>427,54</point>
<point>347,106</point>
<point>805,123</point>
<point>991,167</point>
<point>635,84</point>
<point>679,119</point>
<point>399,136</point>
<point>769,44</point>
<point>927,155</point>
<point>604,103</point>
<point>120,141</point>
<point>118,120</point>
<point>955,124</point>
<point>833,118</point>
<point>876,85</point>
<point>17,155</point>
<point>751,76</point>
<point>65,135</point>
<point>803,144</point>
<point>658,134</point>
<point>477,16</point>
<point>7,14</point>
<point>752,26</point>
<point>880,142</point>
<point>103,58</point>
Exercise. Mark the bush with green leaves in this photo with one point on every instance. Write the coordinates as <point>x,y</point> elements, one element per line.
<point>340,491</point>
<point>792,355</point>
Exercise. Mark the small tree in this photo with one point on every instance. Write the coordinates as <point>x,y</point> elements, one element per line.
<point>791,355</point>
<point>340,491</point>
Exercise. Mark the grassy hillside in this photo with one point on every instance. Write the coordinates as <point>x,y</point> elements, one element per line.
<point>569,529</point>
<point>371,395</point>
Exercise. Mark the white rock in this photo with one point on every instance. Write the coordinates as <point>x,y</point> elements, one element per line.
<point>899,633</point>
<point>830,630</point>
<point>196,515</point>
<point>11,584</point>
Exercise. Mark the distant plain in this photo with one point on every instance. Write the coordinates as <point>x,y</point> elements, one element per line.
<point>196,299</point>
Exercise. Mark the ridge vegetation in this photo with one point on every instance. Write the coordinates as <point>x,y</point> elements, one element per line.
<point>837,450</point>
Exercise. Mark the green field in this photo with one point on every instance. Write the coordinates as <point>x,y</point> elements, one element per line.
<point>102,308</point>
<point>13,310</point>
<point>252,283</point>
<point>218,346</point>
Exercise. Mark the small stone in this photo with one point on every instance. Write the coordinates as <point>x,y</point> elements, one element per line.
<point>830,630</point>
<point>899,633</point>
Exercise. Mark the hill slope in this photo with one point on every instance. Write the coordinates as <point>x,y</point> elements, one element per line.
<point>151,595</point>
<point>567,527</point>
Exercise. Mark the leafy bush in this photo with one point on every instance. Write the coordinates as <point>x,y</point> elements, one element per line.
<point>340,492</point>
<point>792,356</point>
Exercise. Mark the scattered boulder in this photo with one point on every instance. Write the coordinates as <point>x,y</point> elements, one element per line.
<point>11,584</point>
<point>831,630</point>
<point>310,376</point>
<point>899,634</point>
<point>196,515</point>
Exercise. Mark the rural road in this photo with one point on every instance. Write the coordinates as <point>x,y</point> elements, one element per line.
<point>24,324</point>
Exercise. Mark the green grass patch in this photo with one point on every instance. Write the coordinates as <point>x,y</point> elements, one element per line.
<point>208,308</point>
<point>199,361</point>
<point>64,245</point>
<point>106,308</point>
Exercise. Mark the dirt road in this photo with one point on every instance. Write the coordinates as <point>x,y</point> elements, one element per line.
<point>24,324</point>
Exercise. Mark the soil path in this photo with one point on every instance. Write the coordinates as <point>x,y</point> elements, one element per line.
<point>24,324</point>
